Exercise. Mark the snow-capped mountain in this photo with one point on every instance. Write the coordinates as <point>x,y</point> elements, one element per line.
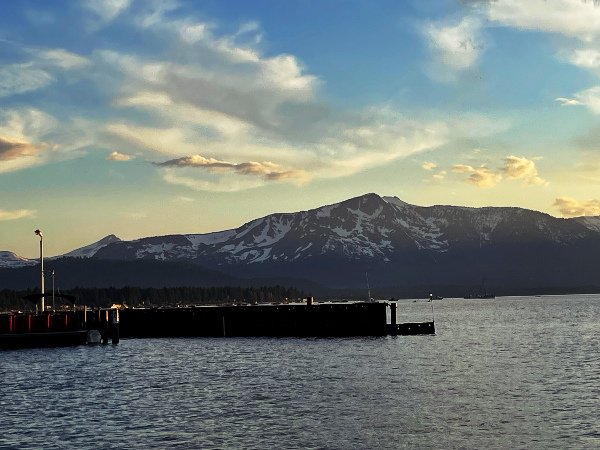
<point>12,260</point>
<point>367,227</point>
<point>395,242</point>
<point>90,250</point>
<point>336,244</point>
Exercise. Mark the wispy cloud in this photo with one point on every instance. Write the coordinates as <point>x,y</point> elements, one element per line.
<point>116,156</point>
<point>244,106</point>
<point>570,207</point>
<point>428,165</point>
<point>568,101</point>
<point>266,170</point>
<point>107,10</point>
<point>203,91</point>
<point>64,59</point>
<point>16,214</point>
<point>20,78</point>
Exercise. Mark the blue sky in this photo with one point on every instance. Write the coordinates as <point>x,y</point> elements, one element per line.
<point>143,118</point>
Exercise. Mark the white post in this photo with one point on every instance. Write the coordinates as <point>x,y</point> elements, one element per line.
<point>39,233</point>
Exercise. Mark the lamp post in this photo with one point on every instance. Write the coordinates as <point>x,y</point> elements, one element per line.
<point>39,233</point>
<point>53,291</point>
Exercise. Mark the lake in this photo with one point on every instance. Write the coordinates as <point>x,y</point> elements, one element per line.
<point>512,372</point>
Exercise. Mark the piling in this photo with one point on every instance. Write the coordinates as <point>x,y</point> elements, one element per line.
<point>114,326</point>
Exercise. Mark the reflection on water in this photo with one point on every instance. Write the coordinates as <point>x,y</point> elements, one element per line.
<point>519,372</point>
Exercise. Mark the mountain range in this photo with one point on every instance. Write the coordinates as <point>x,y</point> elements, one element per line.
<point>381,241</point>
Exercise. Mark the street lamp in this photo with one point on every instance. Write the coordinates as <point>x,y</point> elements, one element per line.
<point>39,233</point>
<point>53,309</point>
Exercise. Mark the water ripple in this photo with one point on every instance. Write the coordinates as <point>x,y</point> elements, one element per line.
<point>505,373</point>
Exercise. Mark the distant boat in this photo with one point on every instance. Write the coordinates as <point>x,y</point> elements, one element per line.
<point>481,293</point>
<point>480,296</point>
<point>435,297</point>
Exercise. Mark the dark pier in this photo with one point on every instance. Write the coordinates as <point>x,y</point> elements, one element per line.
<point>51,329</point>
<point>58,329</point>
<point>294,320</point>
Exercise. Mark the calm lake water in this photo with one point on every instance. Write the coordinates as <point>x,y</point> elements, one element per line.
<point>514,372</point>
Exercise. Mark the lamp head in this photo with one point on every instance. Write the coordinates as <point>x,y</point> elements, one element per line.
<point>39,233</point>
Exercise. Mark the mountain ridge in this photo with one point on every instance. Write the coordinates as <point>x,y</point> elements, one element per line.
<point>394,241</point>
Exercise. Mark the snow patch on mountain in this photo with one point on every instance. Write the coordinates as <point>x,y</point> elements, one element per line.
<point>486,223</point>
<point>325,211</point>
<point>10,260</point>
<point>158,251</point>
<point>90,250</point>
<point>590,222</point>
<point>395,201</point>
<point>210,238</point>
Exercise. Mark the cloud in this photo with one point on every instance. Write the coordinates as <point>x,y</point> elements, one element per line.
<point>521,168</point>
<point>428,166</point>
<point>479,176</point>
<point>515,168</point>
<point>21,78</point>
<point>116,156</point>
<point>236,104</point>
<point>64,59</point>
<point>198,90</point>
<point>570,207</point>
<point>26,124</point>
<point>588,58</point>
<point>17,154</point>
<point>32,137</point>
<point>438,177</point>
<point>107,10</point>
<point>456,47</point>
<point>573,18</point>
<point>16,214</point>
<point>590,98</point>
<point>568,101</point>
<point>13,149</point>
<point>266,170</point>
<point>180,112</point>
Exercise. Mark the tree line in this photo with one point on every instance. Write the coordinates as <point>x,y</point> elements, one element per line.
<point>169,296</point>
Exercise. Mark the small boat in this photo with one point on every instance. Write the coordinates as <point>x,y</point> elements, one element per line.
<point>435,297</point>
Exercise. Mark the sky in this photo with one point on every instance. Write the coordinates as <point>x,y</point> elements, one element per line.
<point>143,118</point>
